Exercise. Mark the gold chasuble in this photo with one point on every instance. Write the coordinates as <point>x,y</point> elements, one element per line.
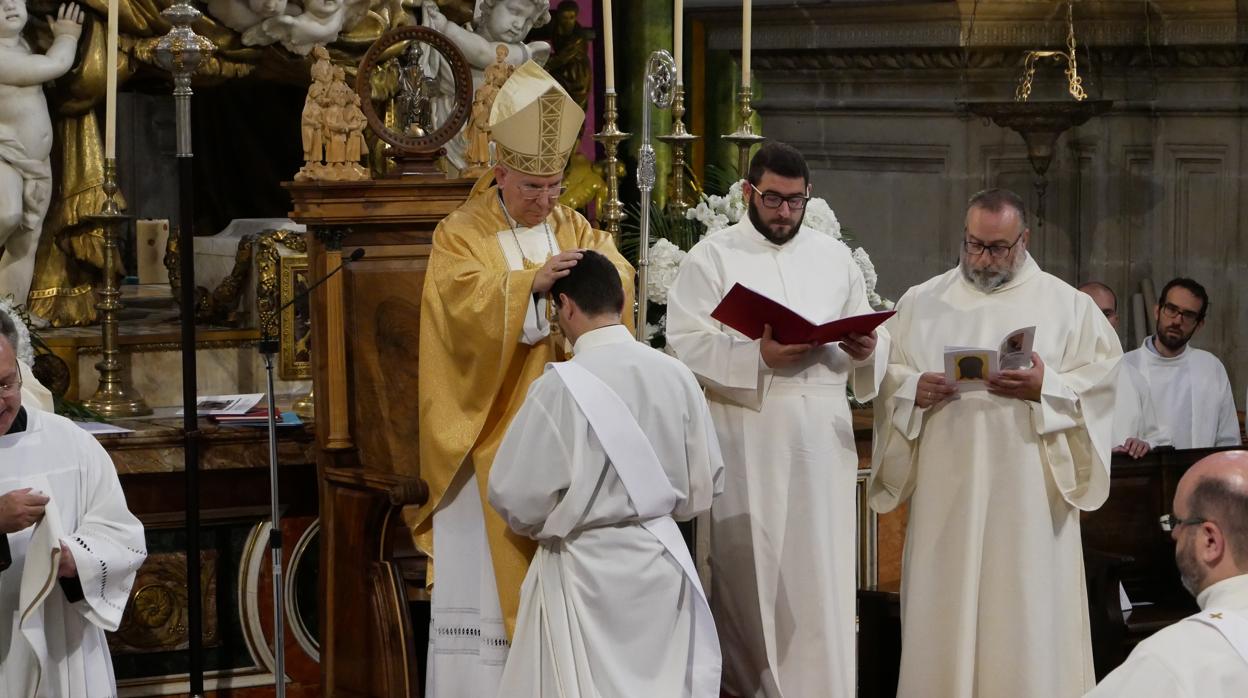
<point>474,368</point>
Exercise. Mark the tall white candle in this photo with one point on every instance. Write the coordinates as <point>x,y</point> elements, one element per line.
<point>110,94</point>
<point>678,41</point>
<point>608,46</point>
<point>746,21</point>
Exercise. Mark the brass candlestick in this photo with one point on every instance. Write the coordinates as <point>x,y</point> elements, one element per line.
<point>679,138</point>
<point>744,137</point>
<point>114,398</point>
<point>610,138</point>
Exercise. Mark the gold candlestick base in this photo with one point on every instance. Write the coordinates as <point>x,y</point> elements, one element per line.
<point>744,137</point>
<point>678,139</point>
<point>305,407</point>
<point>610,138</point>
<point>114,398</point>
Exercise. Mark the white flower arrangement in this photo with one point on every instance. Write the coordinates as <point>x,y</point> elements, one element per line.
<point>718,212</point>
<point>664,261</point>
<point>25,352</point>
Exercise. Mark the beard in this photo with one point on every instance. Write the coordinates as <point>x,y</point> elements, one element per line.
<point>1190,573</point>
<point>994,276</point>
<point>1176,340</point>
<point>778,238</point>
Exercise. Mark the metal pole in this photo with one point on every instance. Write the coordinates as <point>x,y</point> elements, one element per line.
<point>659,86</point>
<point>180,52</point>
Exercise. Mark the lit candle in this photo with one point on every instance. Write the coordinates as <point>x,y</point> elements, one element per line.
<point>745,44</point>
<point>608,46</point>
<point>679,40</point>
<point>110,94</point>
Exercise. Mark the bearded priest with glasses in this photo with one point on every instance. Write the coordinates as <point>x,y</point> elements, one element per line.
<point>485,335</point>
<point>782,533</point>
<point>992,593</point>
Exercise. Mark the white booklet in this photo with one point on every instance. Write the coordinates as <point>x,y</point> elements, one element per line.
<point>971,367</point>
<point>225,404</point>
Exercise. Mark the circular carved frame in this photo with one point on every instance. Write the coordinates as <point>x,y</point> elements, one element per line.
<point>422,150</point>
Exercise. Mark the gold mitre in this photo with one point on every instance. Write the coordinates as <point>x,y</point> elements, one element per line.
<point>534,123</point>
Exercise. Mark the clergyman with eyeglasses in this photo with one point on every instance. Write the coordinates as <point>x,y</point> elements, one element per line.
<point>71,545</point>
<point>485,335</point>
<point>993,584</point>
<point>782,532</point>
<point>1206,654</point>
<point>1189,386</point>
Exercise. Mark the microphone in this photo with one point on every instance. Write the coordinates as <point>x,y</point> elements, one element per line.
<point>268,344</point>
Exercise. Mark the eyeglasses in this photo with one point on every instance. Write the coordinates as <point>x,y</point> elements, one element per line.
<point>996,251</point>
<point>10,389</point>
<point>529,192</point>
<point>771,199</point>
<point>1172,311</point>
<point>1169,522</point>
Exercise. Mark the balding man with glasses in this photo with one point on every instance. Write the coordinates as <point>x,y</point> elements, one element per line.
<point>1205,655</point>
<point>1189,386</point>
<point>993,597</point>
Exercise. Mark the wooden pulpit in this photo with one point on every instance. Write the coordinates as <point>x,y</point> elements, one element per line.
<point>365,325</point>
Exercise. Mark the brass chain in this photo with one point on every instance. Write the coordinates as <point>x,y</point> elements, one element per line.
<point>1074,83</point>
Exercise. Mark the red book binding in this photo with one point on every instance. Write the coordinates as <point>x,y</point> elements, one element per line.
<point>746,311</point>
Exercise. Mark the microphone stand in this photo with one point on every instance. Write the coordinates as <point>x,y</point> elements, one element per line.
<point>269,347</point>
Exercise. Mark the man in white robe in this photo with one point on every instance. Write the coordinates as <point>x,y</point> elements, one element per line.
<point>607,609</point>
<point>73,546</point>
<point>1136,431</point>
<point>1189,386</point>
<point>1205,655</point>
<point>993,592</point>
<point>783,543</point>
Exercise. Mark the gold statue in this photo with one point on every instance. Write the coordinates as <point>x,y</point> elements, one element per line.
<point>478,131</point>
<point>569,59</point>
<point>332,126</point>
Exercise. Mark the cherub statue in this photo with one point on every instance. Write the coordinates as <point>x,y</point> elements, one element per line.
<point>242,15</point>
<point>320,23</point>
<point>26,136</point>
<point>495,23</point>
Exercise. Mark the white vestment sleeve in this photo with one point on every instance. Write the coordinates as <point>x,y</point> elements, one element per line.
<point>1074,417</point>
<point>898,420</point>
<point>867,374</point>
<point>536,328</point>
<point>108,546</point>
<point>1228,421</point>
<point>703,459</point>
<point>533,466</point>
<point>731,366</point>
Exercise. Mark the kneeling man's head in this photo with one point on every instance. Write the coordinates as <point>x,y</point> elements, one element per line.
<point>589,297</point>
<point>1210,520</point>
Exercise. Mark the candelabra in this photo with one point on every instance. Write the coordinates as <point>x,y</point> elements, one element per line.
<point>744,137</point>
<point>610,138</point>
<point>114,398</point>
<point>678,139</point>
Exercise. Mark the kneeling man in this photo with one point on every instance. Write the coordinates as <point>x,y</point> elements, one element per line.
<point>606,451</point>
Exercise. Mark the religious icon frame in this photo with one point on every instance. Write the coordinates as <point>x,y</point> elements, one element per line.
<point>295,322</point>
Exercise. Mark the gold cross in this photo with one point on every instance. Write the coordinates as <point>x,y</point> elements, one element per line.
<point>1216,616</point>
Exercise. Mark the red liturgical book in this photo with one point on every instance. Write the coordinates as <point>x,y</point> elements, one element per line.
<point>746,311</point>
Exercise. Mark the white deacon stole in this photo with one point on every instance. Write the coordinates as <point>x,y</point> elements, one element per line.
<point>639,470</point>
<point>39,575</point>
<point>1232,624</point>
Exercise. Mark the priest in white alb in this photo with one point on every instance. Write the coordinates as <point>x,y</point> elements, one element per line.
<point>1206,654</point>
<point>606,452</point>
<point>1136,428</point>
<point>783,543</point>
<point>1189,386</point>
<point>993,598</point>
<point>71,545</point>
